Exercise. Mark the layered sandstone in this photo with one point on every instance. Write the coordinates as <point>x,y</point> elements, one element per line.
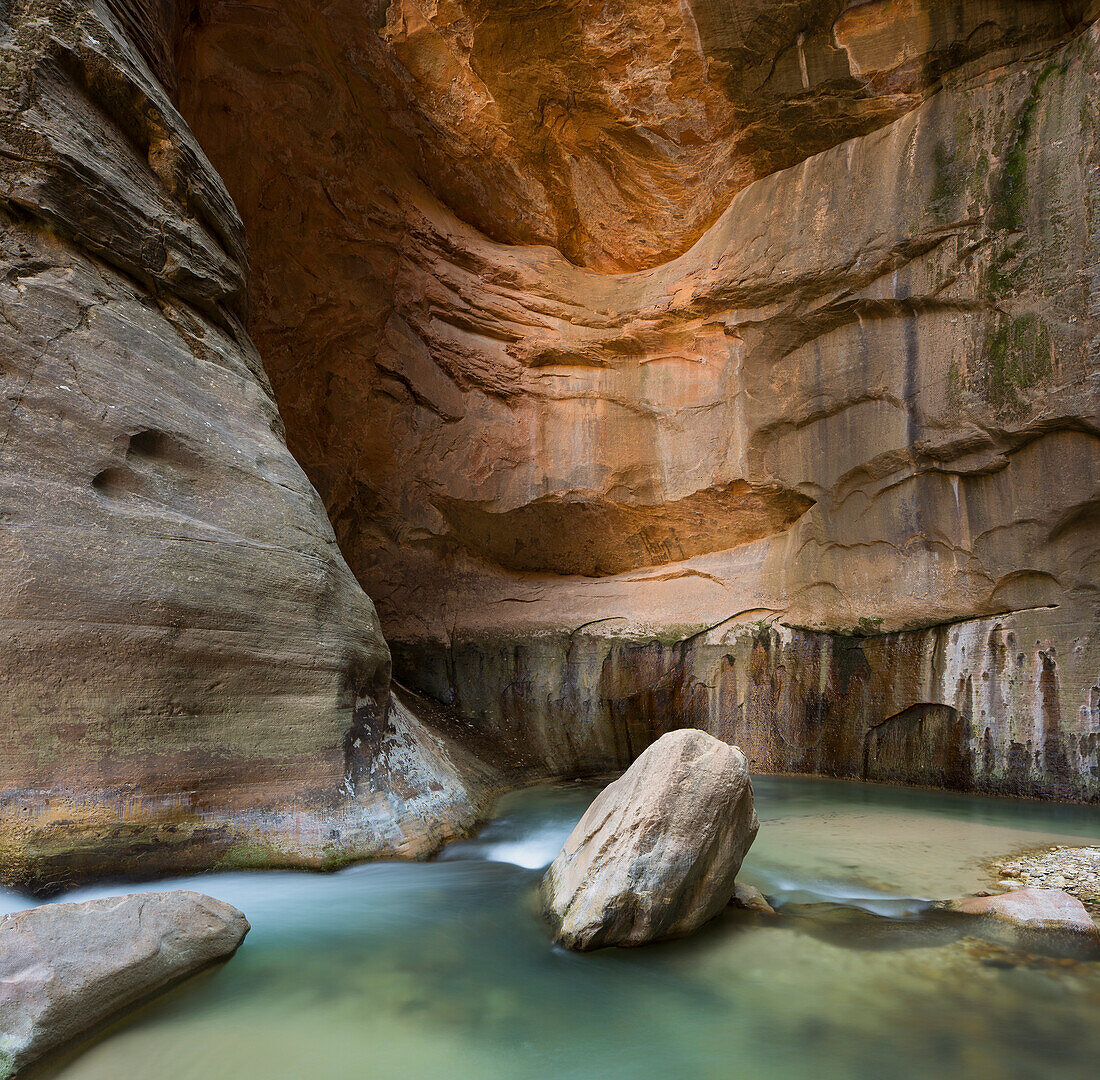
<point>725,364</point>
<point>719,363</point>
<point>191,673</point>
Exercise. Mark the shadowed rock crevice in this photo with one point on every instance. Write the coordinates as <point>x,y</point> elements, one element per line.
<point>793,700</point>
<point>577,534</point>
<point>925,744</point>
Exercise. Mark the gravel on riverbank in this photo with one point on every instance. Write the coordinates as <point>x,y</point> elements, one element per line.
<point>1075,870</point>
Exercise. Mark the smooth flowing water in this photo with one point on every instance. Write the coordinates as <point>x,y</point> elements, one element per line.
<point>410,971</point>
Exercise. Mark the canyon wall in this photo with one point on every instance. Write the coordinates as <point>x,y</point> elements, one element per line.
<point>191,674</point>
<point>725,362</point>
<point>718,362</point>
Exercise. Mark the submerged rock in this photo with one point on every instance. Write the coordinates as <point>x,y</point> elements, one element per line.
<point>67,968</point>
<point>1031,909</point>
<point>657,853</point>
<point>750,898</point>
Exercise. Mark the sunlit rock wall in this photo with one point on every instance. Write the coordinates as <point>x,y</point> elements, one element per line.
<point>600,325</point>
<point>190,672</point>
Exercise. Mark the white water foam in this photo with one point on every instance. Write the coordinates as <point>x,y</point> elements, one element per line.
<point>782,891</point>
<point>533,852</point>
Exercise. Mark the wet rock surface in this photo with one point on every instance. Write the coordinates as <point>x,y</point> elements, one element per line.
<point>65,969</point>
<point>657,853</point>
<point>1033,910</point>
<point>750,898</point>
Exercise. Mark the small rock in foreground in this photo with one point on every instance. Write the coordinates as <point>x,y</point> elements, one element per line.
<point>657,853</point>
<point>1032,909</point>
<point>67,968</point>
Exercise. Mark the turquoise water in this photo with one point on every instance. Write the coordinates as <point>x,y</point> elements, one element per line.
<point>409,971</point>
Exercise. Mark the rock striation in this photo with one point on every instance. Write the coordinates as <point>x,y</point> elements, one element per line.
<point>191,672</point>
<point>714,354</point>
<point>65,969</point>
<point>657,853</point>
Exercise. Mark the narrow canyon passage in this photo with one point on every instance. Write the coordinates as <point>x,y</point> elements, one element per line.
<point>641,365</point>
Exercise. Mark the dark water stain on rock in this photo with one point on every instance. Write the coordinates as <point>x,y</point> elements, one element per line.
<point>924,744</point>
<point>931,707</point>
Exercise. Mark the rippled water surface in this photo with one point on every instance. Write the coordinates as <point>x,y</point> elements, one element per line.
<point>399,971</point>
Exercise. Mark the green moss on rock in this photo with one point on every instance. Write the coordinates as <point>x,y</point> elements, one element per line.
<point>1017,355</point>
<point>252,855</point>
<point>1011,192</point>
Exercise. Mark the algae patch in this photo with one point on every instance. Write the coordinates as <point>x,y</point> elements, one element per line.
<point>1016,354</point>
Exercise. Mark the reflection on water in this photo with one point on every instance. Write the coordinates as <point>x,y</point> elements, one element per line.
<point>403,971</point>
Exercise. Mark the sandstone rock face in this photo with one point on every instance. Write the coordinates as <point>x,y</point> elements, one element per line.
<point>736,355</point>
<point>656,855</point>
<point>1033,909</point>
<point>190,673</point>
<point>67,968</point>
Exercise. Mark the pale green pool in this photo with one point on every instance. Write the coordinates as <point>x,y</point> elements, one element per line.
<point>398,971</point>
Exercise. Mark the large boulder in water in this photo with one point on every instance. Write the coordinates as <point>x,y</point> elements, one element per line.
<point>67,968</point>
<point>657,853</point>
